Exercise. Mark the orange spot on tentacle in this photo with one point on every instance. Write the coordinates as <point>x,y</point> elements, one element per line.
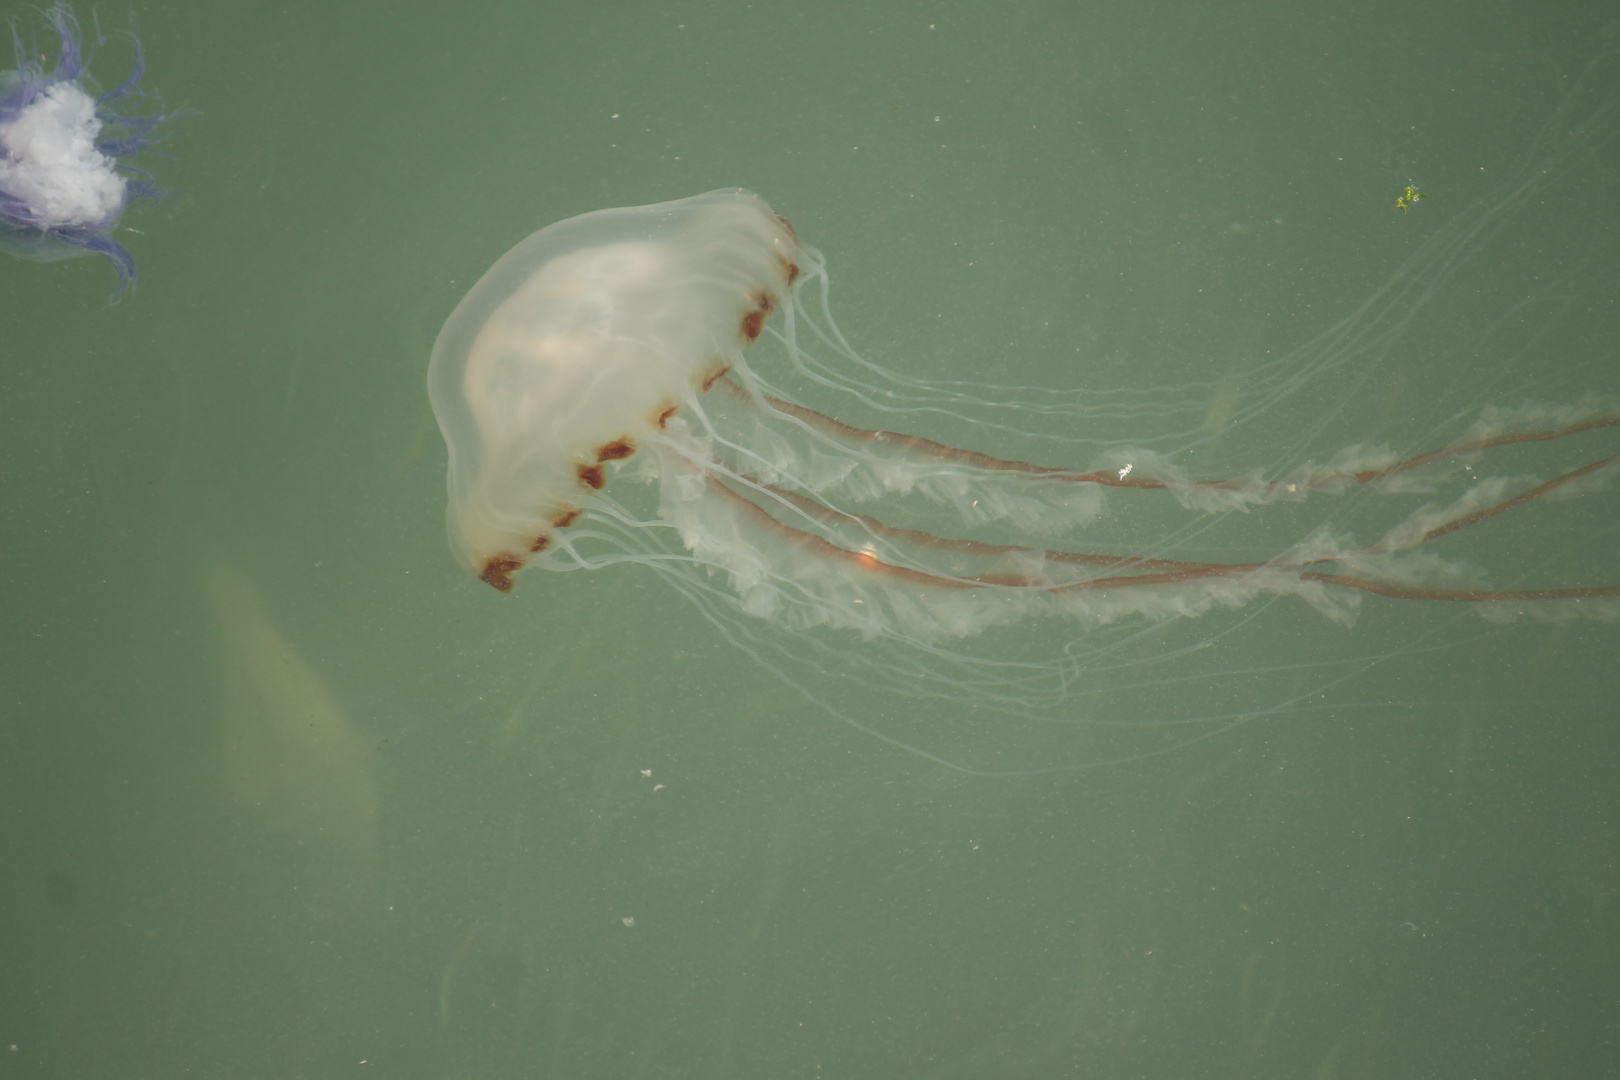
<point>540,544</point>
<point>663,418</point>
<point>566,518</point>
<point>591,476</point>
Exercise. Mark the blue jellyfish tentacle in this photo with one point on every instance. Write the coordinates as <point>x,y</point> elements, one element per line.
<point>130,85</point>
<point>71,59</point>
<point>102,244</point>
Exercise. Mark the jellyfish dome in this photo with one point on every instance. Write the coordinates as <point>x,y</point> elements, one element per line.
<point>598,408</point>
<point>66,175</point>
<point>579,347</point>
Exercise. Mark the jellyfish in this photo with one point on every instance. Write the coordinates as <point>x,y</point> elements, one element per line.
<point>66,172</point>
<point>595,395</point>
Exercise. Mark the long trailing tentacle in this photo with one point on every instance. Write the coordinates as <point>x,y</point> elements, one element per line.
<point>1139,572</point>
<point>1106,478</point>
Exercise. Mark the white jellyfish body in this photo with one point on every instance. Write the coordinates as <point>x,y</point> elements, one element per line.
<point>53,169</point>
<point>580,343</point>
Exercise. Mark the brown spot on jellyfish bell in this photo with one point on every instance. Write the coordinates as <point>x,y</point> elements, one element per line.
<point>713,377</point>
<point>498,570</point>
<point>790,269</point>
<point>754,321</point>
<point>617,450</point>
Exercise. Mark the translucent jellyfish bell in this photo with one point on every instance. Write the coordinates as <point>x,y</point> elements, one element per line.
<point>579,345</point>
<point>65,152</point>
